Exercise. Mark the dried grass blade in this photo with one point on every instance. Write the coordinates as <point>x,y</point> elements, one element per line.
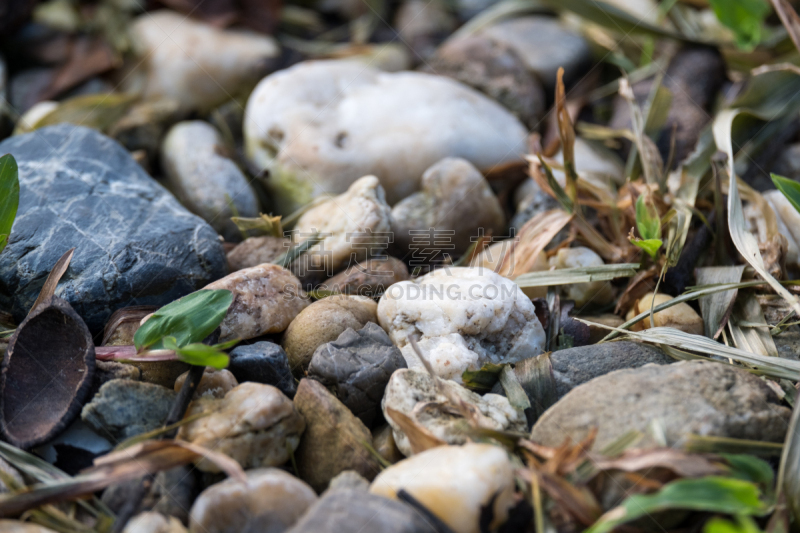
<point>568,276</point>
<point>533,237</point>
<point>756,336</point>
<point>789,469</point>
<point>50,284</point>
<point>745,242</point>
<point>716,308</point>
<point>789,19</point>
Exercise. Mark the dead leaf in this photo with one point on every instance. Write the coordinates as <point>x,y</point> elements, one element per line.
<point>419,438</point>
<point>50,284</point>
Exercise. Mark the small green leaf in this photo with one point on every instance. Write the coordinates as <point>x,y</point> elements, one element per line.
<point>203,355</point>
<point>744,17</point>
<point>713,494</point>
<point>789,188</point>
<point>651,246</point>
<point>9,196</point>
<point>743,524</point>
<point>190,319</point>
<point>647,220</point>
<point>750,468</point>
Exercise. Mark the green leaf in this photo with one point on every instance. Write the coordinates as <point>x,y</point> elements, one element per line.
<point>647,220</point>
<point>714,494</point>
<point>744,17</point>
<point>190,319</point>
<point>482,380</point>
<point>750,468</point>
<point>789,188</point>
<point>203,355</point>
<point>651,246</point>
<point>9,196</point>
<point>743,524</point>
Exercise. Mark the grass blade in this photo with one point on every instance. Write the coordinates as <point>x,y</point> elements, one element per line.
<point>717,307</point>
<point>567,276</point>
<point>9,196</point>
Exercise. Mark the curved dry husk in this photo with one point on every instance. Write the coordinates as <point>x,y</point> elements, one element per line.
<point>46,375</point>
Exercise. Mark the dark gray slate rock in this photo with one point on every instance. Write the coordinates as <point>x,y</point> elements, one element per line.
<point>575,366</point>
<point>124,408</point>
<point>263,362</point>
<point>356,511</point>
<point>356,367</point>
<point>134,243</point>
<point>688,397</point>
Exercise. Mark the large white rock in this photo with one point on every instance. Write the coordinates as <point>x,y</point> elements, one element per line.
<point>205,181</point>
<point>455,482</point>
<point>465,317</point>
<point>195,63</point>
<point>320,125</point>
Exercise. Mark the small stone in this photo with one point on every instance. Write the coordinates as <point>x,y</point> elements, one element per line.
<point>334,438</point>
<point>680,316</point>
<point>384,444</point>
<point>323,321</point>
<point>357,511</point>
<point>456,200</point>
<point>263,362</point>
<point>597,293</point>
<point>597,333</point>
<point>266,298</point>
<point>683,398</point>
<point>454,483</point>
<point>124,408</point>
<point>320,125</point>
<point>348,480</point>
<point>134,243</point>
<point>423,25</point>
<point>271,501</point>
<point>171,493</point>
<point>255,251</point>
<point>207,182</point>
<point>195,63</point>
<point>544,44</point>
<point>214,383</point>
<point>254,424</point>
<point>466,317</point>
<point>494,69</point>
<point>356,367</point>
<point>415,394</point>
<point>163,373</point>
<point>105,371</point>
<point>370,278</point>
<point>575,366</point>
<point>151,522</point>
<point>354,225</point>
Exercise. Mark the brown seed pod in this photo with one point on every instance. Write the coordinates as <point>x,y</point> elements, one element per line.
<point>46,374</point>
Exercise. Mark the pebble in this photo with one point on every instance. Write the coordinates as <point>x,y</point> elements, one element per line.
<point>575,366</point>
<point>151,522</point>
<point>683,398</point>
<point>255,251</point>
<point>124,408</point>
<point>320,125</point>
<point>195,63</point>
<point>494,69</point>
<point>357,511</point>
<point>105,371</point>
<point>456,201</point>
<point>266,298</point>
<point>144,125</point>
<point>356,367</point>
<point>263,362</point>
<point>254,424</point>
<point>323,321</point>
<point>384,444</point>
<point>134,243</point>
<point>596,293</point>
<point>423,25</point>
<point>455,482</point>
<point>544,43</point>
<point>680,316</point>
<point>334,438</point>
<point>465,317</point>
<point>204,179</point>
<point>369,278</point>
<point>348,480</point>
<point>214,383</point>
<point>170,495</point>
<point>271,501</point>
<point>415,394</point>
<point>355,226</point>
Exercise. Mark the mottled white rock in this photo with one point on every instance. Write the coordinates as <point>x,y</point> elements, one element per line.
<point>680,316</point>
<point>320,125</point>
<point>414,393</point>
<point>597,293</point>
<point>193,62</point>
<point>465,317</point>
<point>204,180</point>
<point>270,500</point>
<point>214,383</point>
<point>355,226</point>
<point>254,424</point>
<point>454,198</point>
<point>152,522</point>
<point>454,482</point>
<point>266,298</point>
